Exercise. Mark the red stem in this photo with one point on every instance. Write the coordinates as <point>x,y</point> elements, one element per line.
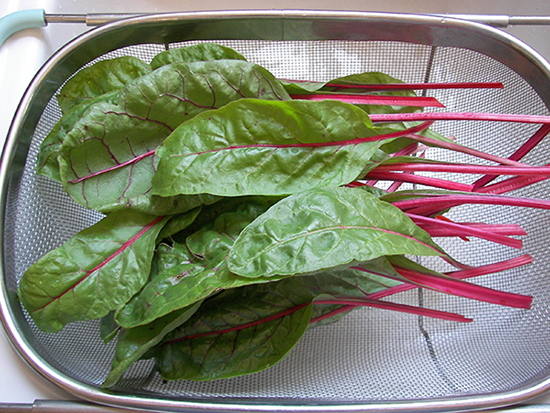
<point>418,179</point>
<point>462,149</point>
<point>502,229</point>
<point>476,232</point>
<point>462,274</point>
<point>463,289</point>
<point>519,154</point>
<point>410,86</point>
<point>464,168</point>
<point>424,205</point>
<point>366,302</point>
<point>421,86</point>
<point>435,116</point>
<point>242,326</point>
<point>510,184</point>
<point>355,99</point>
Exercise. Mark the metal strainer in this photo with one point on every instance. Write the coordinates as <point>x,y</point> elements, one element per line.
<point>372,360</point>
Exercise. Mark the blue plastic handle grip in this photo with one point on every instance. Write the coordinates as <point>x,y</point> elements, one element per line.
<point>19,20</point>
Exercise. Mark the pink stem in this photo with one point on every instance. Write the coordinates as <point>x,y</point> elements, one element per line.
<point>462,274</point>
<point>407,150</point>
<point>464,168</point>
<point>422,205</point>
<point>421,86</point>
<point>366,302</point>
<point>503,229</point>
<point>510,184</point>
<point>476,232</point>
<point>354,99</point>
<point>435,116</point>
<point>418,179</point>
<point>519,154</point>
<point>462,149</point>
<point>394,186</point>
<point>463,289</point>
<point>410,86</point>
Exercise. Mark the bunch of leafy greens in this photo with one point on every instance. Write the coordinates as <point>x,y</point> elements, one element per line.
<point>230,225</point>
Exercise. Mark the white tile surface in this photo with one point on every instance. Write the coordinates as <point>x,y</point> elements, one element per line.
<point>23,54</point>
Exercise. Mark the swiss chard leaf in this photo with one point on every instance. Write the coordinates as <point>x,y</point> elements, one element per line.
<point>248,329</point>
<point>134,343</point>
<point>178,223</point>
<point>96,271</point>
<point>108,327</point>
<point>47,163</point>
<point>194,53</point>
<point>100,78</point>
<point>323,228</point>
<point>180,279</point>
<point>107,161</point>
<point>256,147</point>
<point>239,331</point>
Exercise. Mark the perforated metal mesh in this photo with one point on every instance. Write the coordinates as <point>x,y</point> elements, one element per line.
<point>371,355</point>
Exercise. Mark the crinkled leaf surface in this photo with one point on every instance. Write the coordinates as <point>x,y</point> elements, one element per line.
<point>132,344</point>
<point>255,147</point>
<point>100,78</point>
<point>107,161</point>
<point>324,228</point>
<point>96,271</point>
<point>239,331</point>
<point>47,164</point>
<point>193,53</point>
<point>248,205</point>
<point>179,278</point>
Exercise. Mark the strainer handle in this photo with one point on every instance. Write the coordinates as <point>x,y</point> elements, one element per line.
<point>19,20</point>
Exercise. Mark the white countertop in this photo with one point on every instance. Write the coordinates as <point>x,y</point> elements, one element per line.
<point>23,53</point>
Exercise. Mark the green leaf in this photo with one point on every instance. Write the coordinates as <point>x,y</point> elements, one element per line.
<point>198,52</point>
<point>108,328</point>
<point>96,271</point>
<point>179,280</point>
<point>178,223</point>
<point>100,78</point>
<point>47,163</point>
<point>255,147</point>
<point>132,344</point>
<point>239,331</point>
<point>325,228</point>
<point>301,87</point>
<point>107,161</point>
<point>248,205</point>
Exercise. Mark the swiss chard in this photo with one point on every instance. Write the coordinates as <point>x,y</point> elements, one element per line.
<point>96,271</point>
<point>256,147</point>
<point>324,228</point>
<point>239,331</point>
<point>102,77</point>
<point>190,269</point>
<point>186,274</point>
<point>195,53</point>
<point>107,160</point>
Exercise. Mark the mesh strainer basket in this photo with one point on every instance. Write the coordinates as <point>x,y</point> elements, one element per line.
<point>372,360</point>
